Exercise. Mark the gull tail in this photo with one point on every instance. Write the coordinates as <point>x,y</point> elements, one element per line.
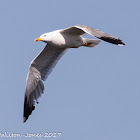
<point>90,42</point>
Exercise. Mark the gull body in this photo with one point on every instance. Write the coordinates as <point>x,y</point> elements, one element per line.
<point>57,43</point>
<point>56,38</point>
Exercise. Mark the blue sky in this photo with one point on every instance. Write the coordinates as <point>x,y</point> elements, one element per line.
<point>93,93</point>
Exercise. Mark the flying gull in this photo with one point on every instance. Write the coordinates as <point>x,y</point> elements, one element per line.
<point>57,43</point>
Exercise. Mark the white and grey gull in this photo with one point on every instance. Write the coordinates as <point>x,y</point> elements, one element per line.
<point>57,43</point>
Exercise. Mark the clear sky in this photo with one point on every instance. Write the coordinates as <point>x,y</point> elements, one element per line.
<point>93,93</point>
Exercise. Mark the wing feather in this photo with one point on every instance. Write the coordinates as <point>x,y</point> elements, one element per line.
<point>39,70</point>
<point>101,35</point>
<point>82,29</point>
<point>73,30</point>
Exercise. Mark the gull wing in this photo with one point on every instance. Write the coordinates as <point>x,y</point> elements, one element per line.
<point>82,29</point>
<point>39,70</point>
<point>73,30</point>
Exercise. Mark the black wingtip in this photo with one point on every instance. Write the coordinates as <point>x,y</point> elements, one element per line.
<point>29,100</point>
<point>27,110</point>
<point>122,44</point>
<point>116,41</point>
<point>119,42</point>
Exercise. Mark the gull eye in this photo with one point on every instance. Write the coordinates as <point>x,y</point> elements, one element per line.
<point>44,35</point>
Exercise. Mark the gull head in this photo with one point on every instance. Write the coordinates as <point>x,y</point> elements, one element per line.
<point>43,38</point>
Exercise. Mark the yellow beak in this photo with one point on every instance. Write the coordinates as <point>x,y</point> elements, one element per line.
<point>37,39</point>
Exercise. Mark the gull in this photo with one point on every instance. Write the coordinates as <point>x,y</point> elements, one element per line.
<point>57,43</point>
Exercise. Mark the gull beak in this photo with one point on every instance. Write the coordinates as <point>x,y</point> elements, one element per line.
<point>37,39</point>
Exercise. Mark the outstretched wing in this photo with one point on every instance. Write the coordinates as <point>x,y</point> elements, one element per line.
<point>82,29</point>
<point>39,70</point>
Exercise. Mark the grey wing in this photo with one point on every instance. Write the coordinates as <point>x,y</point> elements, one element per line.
<point>39,70</point>
<point>73,30</point>
<point>101,35</point>
<point>82,29</point>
